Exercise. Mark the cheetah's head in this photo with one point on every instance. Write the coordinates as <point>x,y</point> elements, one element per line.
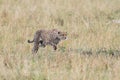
<point>62,35</point>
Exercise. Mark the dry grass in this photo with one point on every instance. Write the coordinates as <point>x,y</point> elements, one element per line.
<point>91,31</point>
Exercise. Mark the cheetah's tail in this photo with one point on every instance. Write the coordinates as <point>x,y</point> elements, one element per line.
<point>30,41</point>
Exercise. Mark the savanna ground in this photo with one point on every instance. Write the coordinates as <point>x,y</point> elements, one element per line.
<point>91,51</point>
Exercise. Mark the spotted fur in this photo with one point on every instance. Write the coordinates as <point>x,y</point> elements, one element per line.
<point>47,37</point>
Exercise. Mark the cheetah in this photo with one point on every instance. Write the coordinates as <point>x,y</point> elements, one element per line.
<point>47,37</point>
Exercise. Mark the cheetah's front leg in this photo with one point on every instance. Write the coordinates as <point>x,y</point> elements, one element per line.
<point>54,47</point>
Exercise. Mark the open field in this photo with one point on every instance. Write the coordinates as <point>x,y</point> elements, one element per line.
<point>91,52</point>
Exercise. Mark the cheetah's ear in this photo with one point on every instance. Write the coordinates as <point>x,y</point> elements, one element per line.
<point>58,32</point>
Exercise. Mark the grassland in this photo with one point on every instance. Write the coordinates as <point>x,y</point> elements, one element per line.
<point>91,51</point>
